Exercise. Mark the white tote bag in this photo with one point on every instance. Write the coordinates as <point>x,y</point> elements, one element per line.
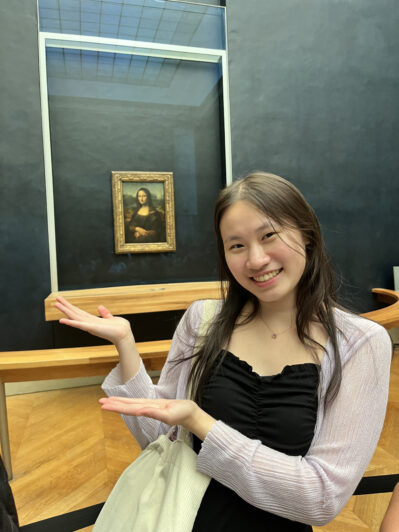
<point>161,490</point>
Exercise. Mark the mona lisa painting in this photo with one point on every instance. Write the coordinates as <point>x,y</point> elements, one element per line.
<point>144,218</point>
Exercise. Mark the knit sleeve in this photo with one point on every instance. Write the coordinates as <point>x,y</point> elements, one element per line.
<point>172,382</point>
<point>313,488</point>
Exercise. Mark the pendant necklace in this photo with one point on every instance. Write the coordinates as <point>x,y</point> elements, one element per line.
<point>274,334</point>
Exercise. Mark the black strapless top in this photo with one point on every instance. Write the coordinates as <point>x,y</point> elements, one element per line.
<point>280,411</point>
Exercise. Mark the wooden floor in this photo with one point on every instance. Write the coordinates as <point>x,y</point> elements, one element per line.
<point>67,454</point>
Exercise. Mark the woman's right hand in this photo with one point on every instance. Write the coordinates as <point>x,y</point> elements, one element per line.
<point>112,328</point>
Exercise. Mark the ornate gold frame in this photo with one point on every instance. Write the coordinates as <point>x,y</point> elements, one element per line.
<point>121,246</point>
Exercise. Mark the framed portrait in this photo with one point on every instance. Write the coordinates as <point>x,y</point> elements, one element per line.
<point>144,214</point>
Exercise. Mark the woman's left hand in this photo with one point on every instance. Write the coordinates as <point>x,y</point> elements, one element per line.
<point>170,411</point>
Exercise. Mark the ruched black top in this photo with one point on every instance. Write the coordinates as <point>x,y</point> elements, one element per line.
<point>280,411</point>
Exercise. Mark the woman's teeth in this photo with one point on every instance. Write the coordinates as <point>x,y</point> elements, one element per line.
<point>267,276</point>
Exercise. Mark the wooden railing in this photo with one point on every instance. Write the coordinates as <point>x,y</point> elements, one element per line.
<point>43,364</point>
<point>388,316</point>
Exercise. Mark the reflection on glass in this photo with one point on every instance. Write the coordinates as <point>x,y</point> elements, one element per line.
<point>90,74</point>
<point>158,21</point>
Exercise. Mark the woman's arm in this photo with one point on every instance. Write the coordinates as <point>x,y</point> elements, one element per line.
<point>172,383</point>
<point>129,379</point>
<point>312,489</point>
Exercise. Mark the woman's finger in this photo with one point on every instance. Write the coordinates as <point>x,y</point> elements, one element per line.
<point>61,300</point>
<point>135,410</point>
<point>68,308</point>
<point>138,400</point>
<point>125,408</point>
<point>66,304</point>
<point>104,312</point>
<point>124,405</point>
<point>77,324</point>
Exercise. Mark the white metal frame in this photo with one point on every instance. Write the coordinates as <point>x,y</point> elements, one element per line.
<point>82,42</point>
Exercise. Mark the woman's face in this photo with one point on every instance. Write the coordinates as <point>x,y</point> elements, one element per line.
<point>264,258</point>
<point>142,197</point>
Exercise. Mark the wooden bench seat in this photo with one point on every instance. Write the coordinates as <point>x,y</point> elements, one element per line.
<point>65,363</point>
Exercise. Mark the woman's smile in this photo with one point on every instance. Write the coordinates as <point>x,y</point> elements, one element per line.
<point>261,278</point>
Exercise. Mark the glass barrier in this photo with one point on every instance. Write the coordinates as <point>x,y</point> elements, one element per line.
<point>134,86</point>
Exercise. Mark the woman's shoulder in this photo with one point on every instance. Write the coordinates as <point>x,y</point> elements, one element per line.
<point>201,307</point>
<point>355,331</point>
<point>352,322</point>
<point>197,317</point>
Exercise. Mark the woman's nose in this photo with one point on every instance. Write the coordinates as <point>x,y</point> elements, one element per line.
<point>257,257</point>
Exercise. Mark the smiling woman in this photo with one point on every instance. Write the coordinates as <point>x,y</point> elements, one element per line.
<point>282,378</point>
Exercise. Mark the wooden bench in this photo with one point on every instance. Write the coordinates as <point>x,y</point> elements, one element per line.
<point>43,364</point>
<point>388,317</point>
<point>62,363</point>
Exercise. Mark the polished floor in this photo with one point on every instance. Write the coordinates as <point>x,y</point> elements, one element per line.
<point>67,454</point>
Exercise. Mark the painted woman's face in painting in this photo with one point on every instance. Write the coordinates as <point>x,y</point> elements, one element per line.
<point>142,197</point>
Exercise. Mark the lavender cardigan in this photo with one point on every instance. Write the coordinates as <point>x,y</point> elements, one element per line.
<point>313,488</point>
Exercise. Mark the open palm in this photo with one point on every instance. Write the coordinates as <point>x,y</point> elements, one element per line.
<point>107,326</point>
<point>169,411</point>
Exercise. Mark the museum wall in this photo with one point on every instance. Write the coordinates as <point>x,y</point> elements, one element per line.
<point>312,91</point>
<point>314,98</point>
<point>25,277</point>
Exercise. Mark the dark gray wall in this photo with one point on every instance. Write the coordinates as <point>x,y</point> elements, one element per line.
<point>314,98</point>
<point>25,262</point>
<point>23,228</point>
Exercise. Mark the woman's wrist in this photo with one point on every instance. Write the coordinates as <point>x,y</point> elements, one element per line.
<point>199,423</point>
<point>127,341</point>
<point>129,357</point>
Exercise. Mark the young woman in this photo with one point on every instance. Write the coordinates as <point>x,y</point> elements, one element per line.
<point>289,390</point>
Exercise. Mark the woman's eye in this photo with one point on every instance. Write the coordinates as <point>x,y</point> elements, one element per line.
<point>269,235</point>
<point>235,246</point>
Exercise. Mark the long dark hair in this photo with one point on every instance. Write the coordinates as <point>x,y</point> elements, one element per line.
<point>284,205</point>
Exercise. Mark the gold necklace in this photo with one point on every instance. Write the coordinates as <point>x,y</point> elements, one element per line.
<point>274,334</point>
